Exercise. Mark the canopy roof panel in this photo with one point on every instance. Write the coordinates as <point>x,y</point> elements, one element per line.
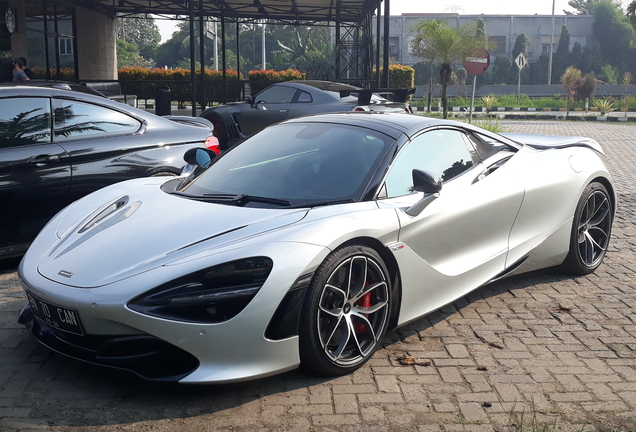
<point>294,10</point>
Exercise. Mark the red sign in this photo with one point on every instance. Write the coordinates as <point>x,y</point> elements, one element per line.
<point>478,62</point>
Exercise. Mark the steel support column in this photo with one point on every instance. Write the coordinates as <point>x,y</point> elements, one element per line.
<point>385,67</point>
<point>202,54</point>
<point>193,71</point>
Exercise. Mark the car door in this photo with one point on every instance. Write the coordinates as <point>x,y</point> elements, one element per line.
<point>270,106</point>
<point>460,240</point>
<point>103,144</point>
<point>34,172</point>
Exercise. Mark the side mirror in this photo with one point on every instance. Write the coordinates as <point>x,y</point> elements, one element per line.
<point>427,182</point>
<point>250,101</point>
<point>430,184</point>
<point>199,156</point>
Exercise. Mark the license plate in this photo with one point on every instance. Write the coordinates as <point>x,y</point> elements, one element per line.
<point>58,317</point>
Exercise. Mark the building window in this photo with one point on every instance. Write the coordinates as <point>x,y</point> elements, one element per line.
<point>394,47</point>
<point>66,46</point>
<point>545,48</point>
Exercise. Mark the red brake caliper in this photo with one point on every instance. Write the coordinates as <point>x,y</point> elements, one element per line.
<point>365,301</point>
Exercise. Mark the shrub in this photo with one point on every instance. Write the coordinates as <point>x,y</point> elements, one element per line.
<point>605,106</point>
<point>489,102</point>
<point>399,76</point>
<point>260,79</point>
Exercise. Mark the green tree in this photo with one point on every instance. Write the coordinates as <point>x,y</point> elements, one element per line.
<point>631,13</point>
<point>480,32</point>
<point>608,75</point>
<point>504,71</point>
<point>141,30</point>
<point>612,30</point>
<point>439,42</point>
<point>127,55</point>
<point>582,7</point>
<point>521,46</point>
<point>561,58</point>
<point>591,59</point>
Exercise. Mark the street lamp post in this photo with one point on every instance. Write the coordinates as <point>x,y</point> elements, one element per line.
<point>551,46</point>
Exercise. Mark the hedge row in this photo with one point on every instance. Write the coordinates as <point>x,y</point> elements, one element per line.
<point>143,82</point>
<point>259,79</point>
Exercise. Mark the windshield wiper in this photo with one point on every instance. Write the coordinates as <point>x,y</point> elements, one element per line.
<point>243,199</point>
<point>325,202</point>
<point>240,199</point>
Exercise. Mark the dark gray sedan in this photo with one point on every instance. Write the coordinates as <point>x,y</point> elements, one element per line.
<point>280,101</point>
<point>58,144</point>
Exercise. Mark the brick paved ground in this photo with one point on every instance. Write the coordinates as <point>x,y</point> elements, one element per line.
<point>536,350</point>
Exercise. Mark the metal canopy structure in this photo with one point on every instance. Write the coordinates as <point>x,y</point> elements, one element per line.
<point>352,20</point>
<point>286,10</point>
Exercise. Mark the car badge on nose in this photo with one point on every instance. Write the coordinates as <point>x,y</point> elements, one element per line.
<point>66,274</point>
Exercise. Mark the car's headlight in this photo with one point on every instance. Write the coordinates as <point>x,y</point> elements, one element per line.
<point>212,295</point>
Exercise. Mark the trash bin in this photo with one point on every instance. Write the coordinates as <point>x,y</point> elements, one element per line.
<point>162,101</point>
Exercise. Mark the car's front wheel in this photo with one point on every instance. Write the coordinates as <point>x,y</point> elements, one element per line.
<point>346,311</point>
<point>591,230</point>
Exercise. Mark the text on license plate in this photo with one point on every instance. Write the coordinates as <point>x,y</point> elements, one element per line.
<point>58,317</point>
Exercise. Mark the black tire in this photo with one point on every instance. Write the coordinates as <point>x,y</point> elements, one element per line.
<point>346,311</point>
<point>220,131</point>
<point>591,230</point>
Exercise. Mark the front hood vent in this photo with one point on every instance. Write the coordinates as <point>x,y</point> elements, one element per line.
<point>147,228</point>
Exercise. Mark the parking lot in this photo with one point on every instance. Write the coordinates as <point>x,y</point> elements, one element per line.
<point>532,351</point>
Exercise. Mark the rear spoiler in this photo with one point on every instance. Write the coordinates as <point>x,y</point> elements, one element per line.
<point>364,95</point>
<point>195,121</point>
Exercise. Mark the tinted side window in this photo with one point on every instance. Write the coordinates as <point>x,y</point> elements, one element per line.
<point>24,121</point>
<point>304,97</point>
<point>82,120</point>
<point>487,146</point>
<point>442,152</point>
<point>276,94</point>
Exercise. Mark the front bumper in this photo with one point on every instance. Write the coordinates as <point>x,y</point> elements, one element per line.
<point>145,355</point>
<point>116,336</point>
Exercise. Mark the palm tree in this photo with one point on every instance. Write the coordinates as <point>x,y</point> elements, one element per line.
<point>439,43</point>
<point>570,80</point>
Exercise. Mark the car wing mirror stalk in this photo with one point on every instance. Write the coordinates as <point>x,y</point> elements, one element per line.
<point>430,184</point>
<point>419,206</point>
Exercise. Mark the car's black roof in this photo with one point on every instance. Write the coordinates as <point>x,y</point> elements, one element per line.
<point>385,121</point>
<point>324,85</point>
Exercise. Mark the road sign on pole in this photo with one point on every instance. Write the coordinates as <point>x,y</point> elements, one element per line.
<point>476,64</point>
<point>521,61</point>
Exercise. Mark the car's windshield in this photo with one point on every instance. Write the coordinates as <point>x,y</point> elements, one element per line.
<point>299,163</point>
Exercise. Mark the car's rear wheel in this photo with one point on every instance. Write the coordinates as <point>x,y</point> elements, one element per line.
<point>346,311</point>
<point>220,132</point>
<point>591,230</point>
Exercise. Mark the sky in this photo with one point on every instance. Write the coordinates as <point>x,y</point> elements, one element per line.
<point>464,7</point>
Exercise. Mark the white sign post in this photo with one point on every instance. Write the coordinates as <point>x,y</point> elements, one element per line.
<point>521,62</point>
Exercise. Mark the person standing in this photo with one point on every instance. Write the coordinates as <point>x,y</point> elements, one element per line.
<point>25,68</point>
<point>18,73</point>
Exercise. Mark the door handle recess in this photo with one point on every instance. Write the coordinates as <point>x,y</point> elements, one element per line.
<point>43,160</point>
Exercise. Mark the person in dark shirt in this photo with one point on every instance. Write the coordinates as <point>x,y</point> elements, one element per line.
<point>18,73</point>
<point>28,72</point>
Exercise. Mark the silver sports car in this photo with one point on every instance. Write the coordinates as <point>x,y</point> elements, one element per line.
<point>305,243</point>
